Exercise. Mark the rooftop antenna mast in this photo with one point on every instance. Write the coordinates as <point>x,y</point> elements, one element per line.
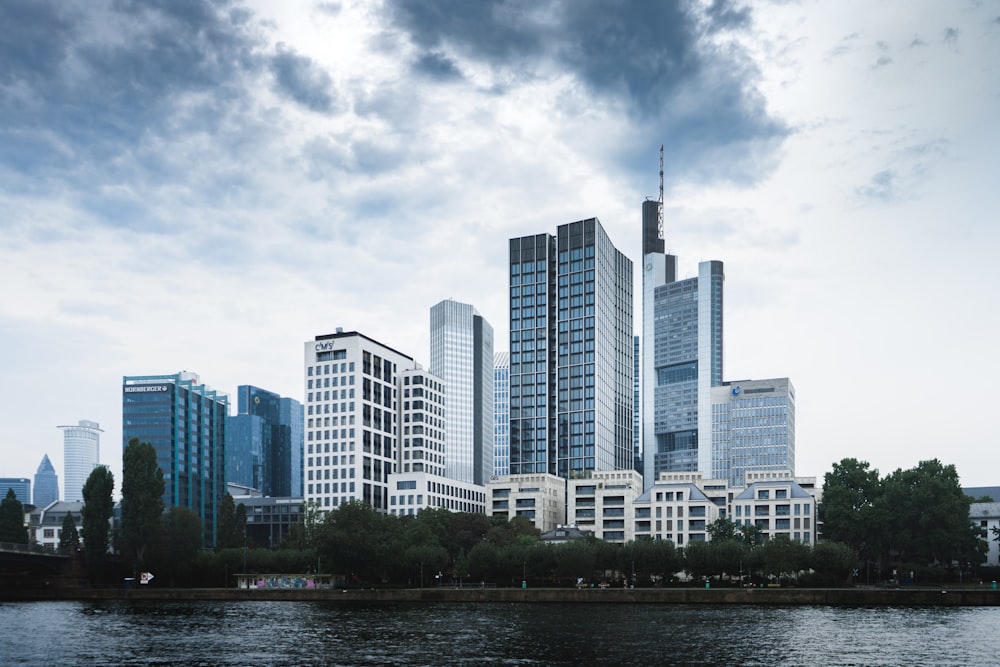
<point>659,212</point>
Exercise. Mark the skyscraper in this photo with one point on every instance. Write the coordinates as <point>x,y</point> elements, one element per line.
<point>21,486</point>
<point>462,356</point>
<point>501,414</point>
<point>682,357</point>
<point>265,441</point>
<point>185,422</point>
<point>571,352</point>
<point>753,428</point>
<point>81,454</point>
<point>46,484</point>
<point>351,419</point>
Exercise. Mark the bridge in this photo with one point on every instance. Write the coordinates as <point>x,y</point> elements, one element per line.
<point>31,566</point>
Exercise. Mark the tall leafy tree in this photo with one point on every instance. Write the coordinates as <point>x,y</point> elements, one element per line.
<point>230,527</point>
<point>69,537</point>
<point>851,509</point>
<point>12,520</point>
<point>181,543</point>
<point>142,499</point>
<point>98,506</point>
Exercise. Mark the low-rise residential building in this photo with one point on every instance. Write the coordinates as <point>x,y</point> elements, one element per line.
<point>540,498</point>
<point>778,507</point>
<point>45,523</point>
<point>675,508</point>
<point>986,517</point>
<point>601,503</point>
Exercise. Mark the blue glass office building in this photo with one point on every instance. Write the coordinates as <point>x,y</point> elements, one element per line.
<point>571,349</point>
<point>264,443</point>
<point>185,421</point>
<point>46,483</point>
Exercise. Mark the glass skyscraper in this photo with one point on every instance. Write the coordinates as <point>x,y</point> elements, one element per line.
<point>682,357</point>
<point>462,356</point>
<point>185,421</point>
<point>501,414</point>
<point>753,428</point>
<point>46,484</point>
<point>81,454</point>
<point>265,440</point>
<point>571,348</point>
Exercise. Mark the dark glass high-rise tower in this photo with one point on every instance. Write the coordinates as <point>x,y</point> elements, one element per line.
<point>571,350</point>
<point>265,439</point>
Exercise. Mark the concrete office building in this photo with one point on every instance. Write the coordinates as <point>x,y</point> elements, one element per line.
<point>81,454</point>
<point>46,484</point>
<point>462,356</point>
<point>753,428</point>
<point>571,346</point>
<point>682,356</point>
<point>351,419</point>
<point>185,422</point>
<point>265,443</point>
<point>501,414</point>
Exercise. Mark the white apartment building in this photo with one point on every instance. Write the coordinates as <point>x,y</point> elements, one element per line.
<point>602,504</point>
<point>540,498</point>
<point>351,419</point>
<point>675,508</point>
<point>421,444</point>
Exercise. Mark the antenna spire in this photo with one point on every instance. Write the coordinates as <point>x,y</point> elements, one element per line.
<point>659,213</point>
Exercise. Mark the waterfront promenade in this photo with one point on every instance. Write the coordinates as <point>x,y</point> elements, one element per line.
<point>908,597</point>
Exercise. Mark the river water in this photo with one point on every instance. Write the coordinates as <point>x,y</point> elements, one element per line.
<point>318,633</point>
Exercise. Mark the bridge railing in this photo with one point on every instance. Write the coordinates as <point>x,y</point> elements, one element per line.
<point>14,547</point>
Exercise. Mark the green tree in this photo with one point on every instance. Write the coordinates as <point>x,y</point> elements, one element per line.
<point>69,537</point>
<point>230,530</point>
<point>833,562</point>
<point>851,510</point>
<point>353,540</point>
<point>722,528</point>
<point>142,500</point>
<point>784,557</point>
<point>12,520</point>
<point>929,520</point>
<point>181,543</point>
<point>98,506</point>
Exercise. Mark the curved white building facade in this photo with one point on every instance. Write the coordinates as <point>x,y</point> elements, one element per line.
<point>81,454</point>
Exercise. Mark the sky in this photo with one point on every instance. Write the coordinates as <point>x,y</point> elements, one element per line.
<point>205,186</point>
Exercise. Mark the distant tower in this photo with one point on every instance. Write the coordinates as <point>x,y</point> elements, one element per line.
<point>264,443</point>
<point>501,414</point>
<point>46,484</point>
<point>82,453</point>
<point>462,356</point>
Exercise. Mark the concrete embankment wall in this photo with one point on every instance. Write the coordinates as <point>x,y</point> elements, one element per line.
<point>765,596</point>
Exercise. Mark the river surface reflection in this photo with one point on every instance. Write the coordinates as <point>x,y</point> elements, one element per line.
<point>318,633</point>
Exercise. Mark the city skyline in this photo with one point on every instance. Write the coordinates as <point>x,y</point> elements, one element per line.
<point>838,158</point>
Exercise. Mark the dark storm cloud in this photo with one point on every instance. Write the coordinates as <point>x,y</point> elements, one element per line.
<point>87,85</point>
<point>302,80</point>
<point>437,66</point>
<point>659,59</point>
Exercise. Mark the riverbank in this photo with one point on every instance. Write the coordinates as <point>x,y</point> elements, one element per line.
<point>853,597</point>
